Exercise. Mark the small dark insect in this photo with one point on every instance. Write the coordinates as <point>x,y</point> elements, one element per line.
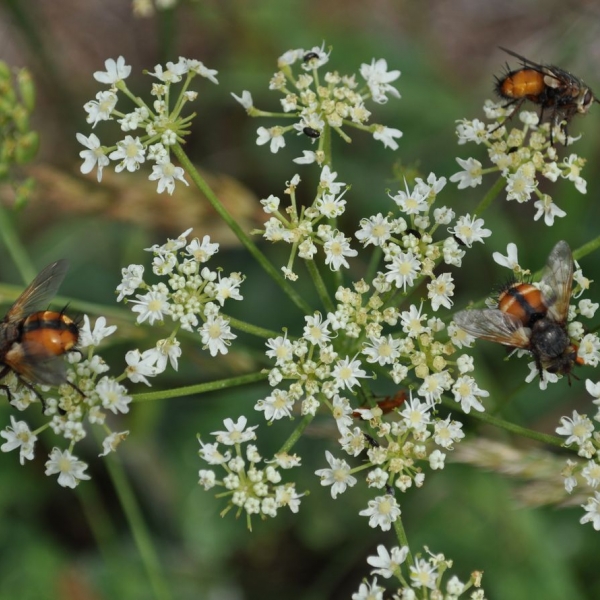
<point>32,341</point>
<point>414,232</point>
<point>553,89</point>
<point>309,56</point>
<point>533,319</point>
<point>311,133</point>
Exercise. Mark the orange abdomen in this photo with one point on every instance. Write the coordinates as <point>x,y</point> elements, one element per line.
<point>525,83</point>
<point>49,333</point>
<point>522,300</point>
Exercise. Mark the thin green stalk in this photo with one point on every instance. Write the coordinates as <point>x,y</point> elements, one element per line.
<point>517,429</point>
<point>374,263</point>
<point>320,285</point>
<point>251,329</point>
<point>586,249</point>
<point>138,528</point>
<point>296,434</point>
<point>326,145</point>
<point>15,248</point>
<point>103,530</point>
<point>401,535</point>
<point>489,197</point>
<point>239,232</point>
<point>200,388</point>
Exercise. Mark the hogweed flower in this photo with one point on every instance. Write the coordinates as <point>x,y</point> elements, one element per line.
<point>425,577</point>
<point>522,156</point>
<point>251,484</point>
<point>320,101</point>
<point>159,125</point>
<point>190,295</point>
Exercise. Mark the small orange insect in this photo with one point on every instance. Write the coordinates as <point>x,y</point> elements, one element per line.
<point>33,341</point>
<point>388,404</point>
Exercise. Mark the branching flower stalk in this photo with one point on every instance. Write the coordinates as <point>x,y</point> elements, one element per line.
<point>393,325</point>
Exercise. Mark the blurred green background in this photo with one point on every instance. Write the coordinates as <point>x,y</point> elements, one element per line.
<point>58,544</point>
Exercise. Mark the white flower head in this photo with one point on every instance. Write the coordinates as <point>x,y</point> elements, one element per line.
<point>115,71</point>
<point>93,156</point>
<point>166,173</point>
<point>337,476</point>
<point>69,468</point>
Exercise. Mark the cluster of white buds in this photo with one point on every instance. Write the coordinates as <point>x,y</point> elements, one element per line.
<point>162,122</point>
<point>520,156</point>
<point>248,486</point>
<point>192,294</point>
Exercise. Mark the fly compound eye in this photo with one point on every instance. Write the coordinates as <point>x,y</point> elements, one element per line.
<point>585,102</point>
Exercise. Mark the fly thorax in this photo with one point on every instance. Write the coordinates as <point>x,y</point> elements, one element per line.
<point>550,339</point>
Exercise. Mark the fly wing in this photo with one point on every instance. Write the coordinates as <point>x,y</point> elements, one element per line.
<point>35,364</point>
<point>526,62</point>
<point>494,325</point>
<point>39,292</point>
<point>557,281</point>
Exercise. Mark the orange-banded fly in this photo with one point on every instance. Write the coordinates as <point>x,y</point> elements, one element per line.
<point>532,318</point>
<point>561,93</point>
<point>33,341</point>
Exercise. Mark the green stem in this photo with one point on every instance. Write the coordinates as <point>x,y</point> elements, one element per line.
<point>15,248</point>
<point>320,285</point>
<point>489,197</point>
<point>138,527</point>
<point>239,232</point>
<point>517,429</point>
<point>326,145</point>
<point>586,249</point>
<point>401,535</point>
<point>289,443</point>
<point>103,530</point>
<point>251,329</point>
<point>200,388</point>
<point>374,263</point>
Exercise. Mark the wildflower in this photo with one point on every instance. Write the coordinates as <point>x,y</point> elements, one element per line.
<point>592,508</point>
<point>216,335</point>
<point>115,71</point>
<point>466,392</point>
<point>337,476</point>
<point>382,512</point>
<point>69,468</point>
<point>18,435</point>
<point>93,156</point>
<point>130,151</point>
<point>166,173</point>
<point>237,433</point>
<point>152,306</point>
<point>99,110</point>
<point>579,429</point>
<point>89,337</point>
<point>386,563</point>
<point>470,229</point>
<point>378,79</point>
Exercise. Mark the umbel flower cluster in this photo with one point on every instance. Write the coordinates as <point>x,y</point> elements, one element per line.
<point>190,294</point>
<point>521,156</point>
<point>160,125</point>
<point>422,577</point>
<point>320,103</point>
